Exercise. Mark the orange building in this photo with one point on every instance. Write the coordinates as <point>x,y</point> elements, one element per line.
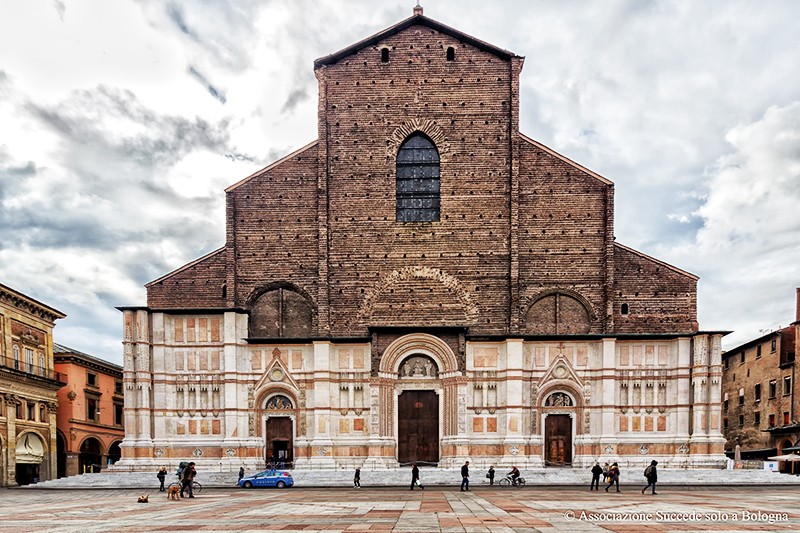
<point>90,412</point>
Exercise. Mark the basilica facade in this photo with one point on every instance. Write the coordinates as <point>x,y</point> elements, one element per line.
<point>421,283</point>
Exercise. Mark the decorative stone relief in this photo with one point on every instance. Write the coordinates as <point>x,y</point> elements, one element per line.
<point>462,411</point>
<point>159,452</point>
<point>558,399</point>
<point>609,449</point>
<point>197,452</point>
<point>230,452</point>
<point>374,409</point>
<point>684,449</point>
<point>279,403</point>
<point>644,449</point>
<point>323,451</point>
<point>418,366</point>
<point>514,450</point>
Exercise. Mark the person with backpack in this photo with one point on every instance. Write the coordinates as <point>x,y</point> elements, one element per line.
<point>613,476</point>
<point>651,473</point>
<point>597,471</point>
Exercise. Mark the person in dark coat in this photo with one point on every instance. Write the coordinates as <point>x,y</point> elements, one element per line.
<point>465,477</point>
<point>415,477</point>
<point>597,471</point>
<point>241,472</point>
<point>651,473</point>
<point>188,476</point>
<point>357,478</point>
<point>162,474</point>
<point>490,475</point>
<point>613,475</point>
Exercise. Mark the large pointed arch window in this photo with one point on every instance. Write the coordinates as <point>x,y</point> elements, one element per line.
<point>417,180</point>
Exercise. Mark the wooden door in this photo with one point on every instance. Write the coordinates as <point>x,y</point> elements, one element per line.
<point>280,444</point>
<point>418,427</point>
<point>558,440</point>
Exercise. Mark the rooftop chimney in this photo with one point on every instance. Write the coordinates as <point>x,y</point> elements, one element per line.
<point>797,310</point>
<point>417,9</point>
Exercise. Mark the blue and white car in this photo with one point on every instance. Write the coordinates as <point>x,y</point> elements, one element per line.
<point>268,478</point>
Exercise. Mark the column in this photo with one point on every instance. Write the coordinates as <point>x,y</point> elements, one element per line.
<point>514,440</point>
<point>322,442</point>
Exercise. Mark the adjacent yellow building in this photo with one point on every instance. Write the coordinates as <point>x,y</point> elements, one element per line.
<point>28,386</point>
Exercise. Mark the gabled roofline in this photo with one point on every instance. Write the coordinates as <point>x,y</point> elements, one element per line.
<point>402,25</point>
<point>660,262</point>
<point>271,166</point>
<point>565,159</point>
<point>184,267</point>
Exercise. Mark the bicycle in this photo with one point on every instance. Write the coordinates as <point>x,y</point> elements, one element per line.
<point>508,480</point>
<point>196,486</point>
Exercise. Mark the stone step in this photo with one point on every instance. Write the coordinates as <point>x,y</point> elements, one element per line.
<point>428,476</point>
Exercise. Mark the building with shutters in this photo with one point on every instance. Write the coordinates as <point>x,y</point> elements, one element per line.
<point>422,283</point>
<point>90,412</point>
<point>760,397</point>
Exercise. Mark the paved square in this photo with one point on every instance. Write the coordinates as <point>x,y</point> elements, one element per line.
<point>527,509</point>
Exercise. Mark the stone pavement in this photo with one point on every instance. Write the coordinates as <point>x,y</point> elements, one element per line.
<point>484,509</point>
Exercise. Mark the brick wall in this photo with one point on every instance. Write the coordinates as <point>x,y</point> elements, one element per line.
<point>519,224</point>
<point>198,284</point>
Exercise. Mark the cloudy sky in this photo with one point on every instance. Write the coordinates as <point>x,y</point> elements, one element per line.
<point>121,122</point>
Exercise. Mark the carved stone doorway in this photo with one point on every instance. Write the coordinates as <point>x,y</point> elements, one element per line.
<point>418,427</point>
<point>279,442</point>
<point>558,440</point>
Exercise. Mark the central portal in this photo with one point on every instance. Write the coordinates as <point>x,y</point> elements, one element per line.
<point>558,440</point>
<point>418,427</point>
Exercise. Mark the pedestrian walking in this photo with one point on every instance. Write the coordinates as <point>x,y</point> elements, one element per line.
<point>651,473</point>
<point>188,476</point>
<point>415,477</point>
<point>597,471</point>
<point>241,472</point>
<point>465,477</point>
<point>161,475</point>
<point>606,468</point>
<point>357,478</point>
<point>490,475</point>
<point>613,476</point>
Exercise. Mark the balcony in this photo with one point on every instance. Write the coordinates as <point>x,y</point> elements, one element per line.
<point>34,370</point>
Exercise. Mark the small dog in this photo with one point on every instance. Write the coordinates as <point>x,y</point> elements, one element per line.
<point>173,492</point>
<point>143,499</point>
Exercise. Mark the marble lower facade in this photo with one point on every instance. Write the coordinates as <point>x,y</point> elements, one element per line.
<point>196,389</point>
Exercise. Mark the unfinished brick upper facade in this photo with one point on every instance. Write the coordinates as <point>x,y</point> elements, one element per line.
<point>521,250</point>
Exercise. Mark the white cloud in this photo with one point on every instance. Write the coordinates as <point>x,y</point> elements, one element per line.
<point>116,145</point>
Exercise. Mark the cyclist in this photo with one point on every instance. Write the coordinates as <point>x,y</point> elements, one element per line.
<point>514,475</point>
